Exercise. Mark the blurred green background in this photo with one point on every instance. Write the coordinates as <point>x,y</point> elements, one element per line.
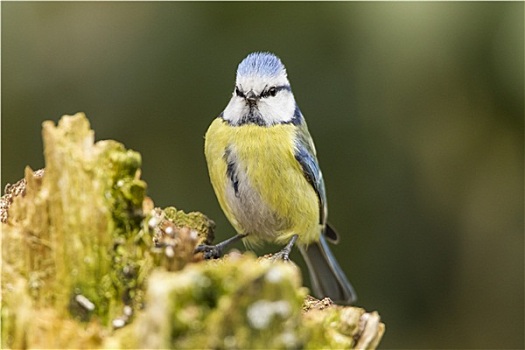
<point>416,110</point>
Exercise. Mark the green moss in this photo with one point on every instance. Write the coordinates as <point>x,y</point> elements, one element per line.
<point>241,302</point>
<point>237,302</point>
<point>84,251</point>
<point>195,220</point>
<point>75,235</point>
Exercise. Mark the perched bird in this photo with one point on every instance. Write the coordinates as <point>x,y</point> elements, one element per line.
<point>263,167</point>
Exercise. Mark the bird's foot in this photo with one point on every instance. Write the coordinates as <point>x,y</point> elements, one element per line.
<point>210,251</point>
<point>284,254</point>
<point>215,251</point>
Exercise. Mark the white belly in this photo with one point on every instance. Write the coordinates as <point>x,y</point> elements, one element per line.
<point>252,213</point>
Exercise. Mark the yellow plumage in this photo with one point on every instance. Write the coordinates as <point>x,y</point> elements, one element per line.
<point>275,200</point>
<point>264,170</point>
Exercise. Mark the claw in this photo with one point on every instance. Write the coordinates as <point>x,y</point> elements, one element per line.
<point>284,254</point>
<point>215,251</point>
<point>281,255</point>
<point>210,251</point>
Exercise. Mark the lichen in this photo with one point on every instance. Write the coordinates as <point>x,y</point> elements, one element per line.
<point>89,262</point>
<point>175,235</point>
<point>241,302</point>
<point>332,326</point>
<point>73,243</point>
<point>194,220</point>
<point>227,303</point>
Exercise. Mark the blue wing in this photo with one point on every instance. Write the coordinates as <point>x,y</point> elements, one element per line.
<point>304,154</point>
<point>312,173</point>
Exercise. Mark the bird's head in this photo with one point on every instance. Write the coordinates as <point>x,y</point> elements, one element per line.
<point>262,93</point>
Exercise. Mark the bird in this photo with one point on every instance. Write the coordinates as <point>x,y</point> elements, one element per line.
<point>264,170</point>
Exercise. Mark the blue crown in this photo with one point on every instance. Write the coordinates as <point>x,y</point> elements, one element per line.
<point>262,64</point>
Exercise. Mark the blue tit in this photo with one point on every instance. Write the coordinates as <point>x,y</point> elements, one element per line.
<point>264,170</point>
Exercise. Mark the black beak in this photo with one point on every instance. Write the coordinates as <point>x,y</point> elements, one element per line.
<point>251,97</point>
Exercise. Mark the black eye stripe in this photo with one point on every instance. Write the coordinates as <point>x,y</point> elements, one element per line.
<point>238,92</point>
<point>274,90</point>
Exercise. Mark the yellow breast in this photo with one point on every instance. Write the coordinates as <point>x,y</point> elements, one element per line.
<point>272,199</point>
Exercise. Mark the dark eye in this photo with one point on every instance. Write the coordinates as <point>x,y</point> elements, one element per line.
<point>238,92</point>
<point>270,92</point>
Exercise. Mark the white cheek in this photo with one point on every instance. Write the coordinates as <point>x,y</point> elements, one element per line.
<point>278,109</point>
<point>235,109</point>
